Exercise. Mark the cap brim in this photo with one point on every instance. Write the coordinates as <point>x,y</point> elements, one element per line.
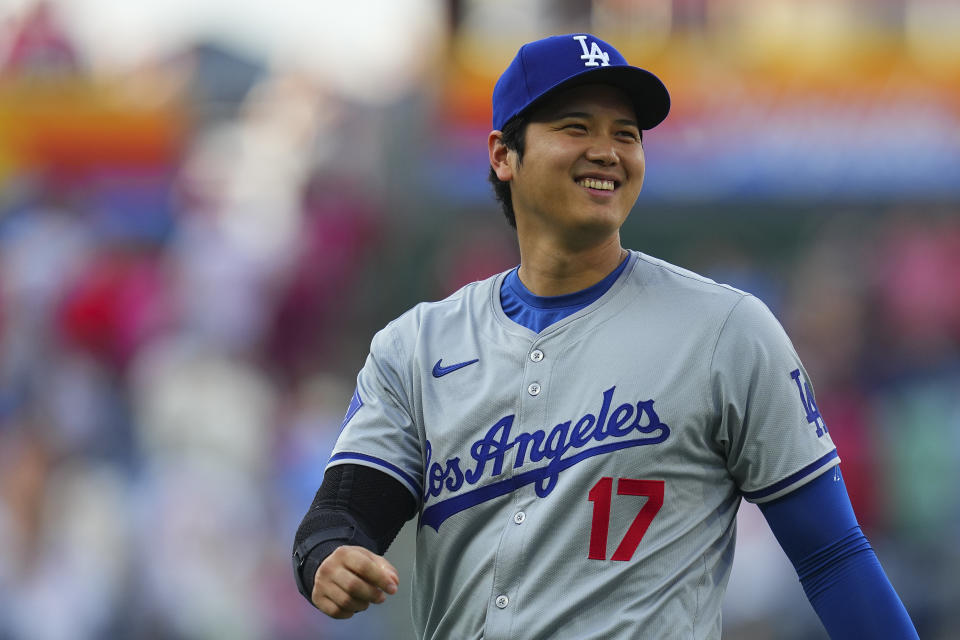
<point>650,98</point>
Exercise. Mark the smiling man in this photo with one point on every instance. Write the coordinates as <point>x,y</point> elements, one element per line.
<point>579,176</point>
<point>576,434</point>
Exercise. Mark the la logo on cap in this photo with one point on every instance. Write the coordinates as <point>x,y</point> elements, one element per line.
<point>593,54</point>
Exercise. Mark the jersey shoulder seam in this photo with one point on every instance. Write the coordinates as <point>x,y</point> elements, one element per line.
<point>425,306</point>
<point>387,354</point>
<point>716,342</point>
<point>689,275</point>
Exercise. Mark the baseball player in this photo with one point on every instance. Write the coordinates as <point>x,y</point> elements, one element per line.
<point>575,435</point>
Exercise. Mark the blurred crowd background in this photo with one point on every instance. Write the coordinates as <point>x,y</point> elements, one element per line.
<point>207,209</point>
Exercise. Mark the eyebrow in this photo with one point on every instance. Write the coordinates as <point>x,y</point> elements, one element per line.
<point>584,114</point>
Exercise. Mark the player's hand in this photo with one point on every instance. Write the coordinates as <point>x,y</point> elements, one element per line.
<point>351,578</point>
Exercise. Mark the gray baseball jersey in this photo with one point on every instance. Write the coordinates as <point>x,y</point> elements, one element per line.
<point>583,482</point>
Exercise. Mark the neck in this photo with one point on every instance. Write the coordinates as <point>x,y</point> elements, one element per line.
<point>549,270</point>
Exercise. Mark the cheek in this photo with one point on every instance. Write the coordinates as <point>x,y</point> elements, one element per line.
<point>637,167</point>
<point>547,172</point>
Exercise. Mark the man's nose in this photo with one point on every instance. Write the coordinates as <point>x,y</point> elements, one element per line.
<point>602,152</point>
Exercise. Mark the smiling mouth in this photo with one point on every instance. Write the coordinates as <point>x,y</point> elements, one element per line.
<point>600,185</point>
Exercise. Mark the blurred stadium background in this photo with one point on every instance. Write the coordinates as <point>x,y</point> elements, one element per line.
<point>207,209</point>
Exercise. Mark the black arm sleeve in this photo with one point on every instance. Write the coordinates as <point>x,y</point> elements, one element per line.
<point>354,505</point>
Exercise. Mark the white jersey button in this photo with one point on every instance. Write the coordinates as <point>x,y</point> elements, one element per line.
<point>519,517</point>
<point>534,389</point>
<point>502,602</point>
<point>536,355</point>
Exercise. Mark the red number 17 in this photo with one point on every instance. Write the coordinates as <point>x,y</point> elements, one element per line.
<point>600,496</point>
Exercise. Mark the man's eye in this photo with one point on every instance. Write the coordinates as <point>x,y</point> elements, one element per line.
<point>575,126</point>
<point>630,134</point>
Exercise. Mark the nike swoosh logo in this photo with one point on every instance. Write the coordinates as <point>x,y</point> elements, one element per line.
<point>439,371</point>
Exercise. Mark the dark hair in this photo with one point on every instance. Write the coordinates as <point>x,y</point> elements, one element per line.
<point>513,137</point>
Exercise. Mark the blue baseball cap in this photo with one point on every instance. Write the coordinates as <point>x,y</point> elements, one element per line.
<point>545,66</point>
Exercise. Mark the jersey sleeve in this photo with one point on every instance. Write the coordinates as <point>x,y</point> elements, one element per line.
<point>378,429</point>
<point>770,427</point>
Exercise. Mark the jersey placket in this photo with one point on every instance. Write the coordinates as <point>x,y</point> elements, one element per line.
<point>506,597</point>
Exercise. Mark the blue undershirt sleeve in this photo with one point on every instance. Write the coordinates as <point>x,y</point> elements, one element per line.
<point>838,569</point>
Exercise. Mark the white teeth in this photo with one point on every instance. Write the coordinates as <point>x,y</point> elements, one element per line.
<point>593,183</point>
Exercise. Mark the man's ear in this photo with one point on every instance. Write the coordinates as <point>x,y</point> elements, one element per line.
<point>499,156</point>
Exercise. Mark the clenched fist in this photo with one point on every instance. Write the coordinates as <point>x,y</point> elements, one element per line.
<point>351,578</point>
